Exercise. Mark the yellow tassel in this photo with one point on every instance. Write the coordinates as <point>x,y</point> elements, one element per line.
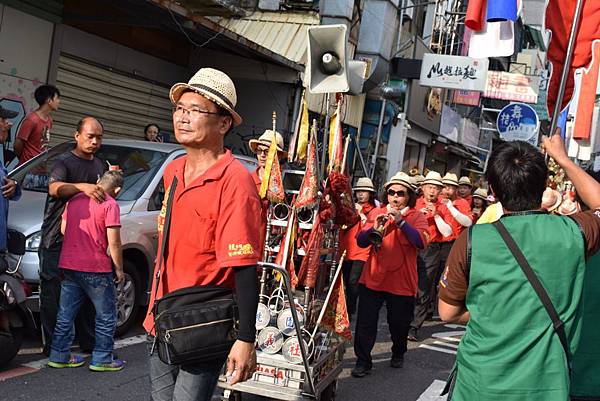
<point>303,134</point>
<point>264,184</point>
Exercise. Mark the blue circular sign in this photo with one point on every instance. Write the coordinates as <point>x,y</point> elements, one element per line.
<point>518,122</point>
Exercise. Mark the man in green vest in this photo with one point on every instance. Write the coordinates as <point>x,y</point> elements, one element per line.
<point>511,351</point>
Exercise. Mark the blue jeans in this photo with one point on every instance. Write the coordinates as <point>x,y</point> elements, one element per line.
<point>100,289</point>
<point>195,382</point>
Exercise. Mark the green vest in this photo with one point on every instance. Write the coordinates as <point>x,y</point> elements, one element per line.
<point>586,358</point>
<point>510,351</point>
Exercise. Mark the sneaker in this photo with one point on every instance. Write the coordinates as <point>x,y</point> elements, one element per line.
<point>412,335</point>
<point>113,366</point>
<point>397,362</point>
<point>74,362</point>
<point>360,371</point>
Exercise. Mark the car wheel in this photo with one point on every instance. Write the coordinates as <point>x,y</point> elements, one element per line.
<point>127,297</point>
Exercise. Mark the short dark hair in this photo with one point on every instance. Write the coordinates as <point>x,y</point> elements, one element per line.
<point>517,173</point>
<point>45,92</point>
<point>112,179</point>
<point>84,119</point>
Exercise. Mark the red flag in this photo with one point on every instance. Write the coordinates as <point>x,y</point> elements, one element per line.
<point>336,318</point>
<point>559,19</point>
<point>476,11</point>
<point>310,264</point>
<point>587,97</point>
<point>309,190</point>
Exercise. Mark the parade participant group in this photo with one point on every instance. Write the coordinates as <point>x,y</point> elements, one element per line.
<point>420,237</point>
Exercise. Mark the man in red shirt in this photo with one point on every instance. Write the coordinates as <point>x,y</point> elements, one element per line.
<point>34,134</point>
<point>431,260</point>
<point>355,255</point>
<point>260,147</point>
<point>390,273</point>
<point>459,208</point>
<point>213,238</point>
<point>465,189</point>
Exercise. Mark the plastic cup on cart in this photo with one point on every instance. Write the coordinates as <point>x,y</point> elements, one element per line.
<point>270,340</point>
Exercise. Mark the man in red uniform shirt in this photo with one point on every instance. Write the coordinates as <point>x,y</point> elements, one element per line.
<point>459,208</point>
<point>260,147</point>
<point>213,238</point>
<point>465,189</point>
<point>355,255</point>
<point>390,273</point>
<point>34,134</point>
<point>432,261</point>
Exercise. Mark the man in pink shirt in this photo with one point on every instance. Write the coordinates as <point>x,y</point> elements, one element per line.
<point>90,228</point>
<point>34,134</point>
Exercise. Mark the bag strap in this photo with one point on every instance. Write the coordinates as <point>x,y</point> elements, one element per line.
<point>541,292</point>
<point>165,235</point>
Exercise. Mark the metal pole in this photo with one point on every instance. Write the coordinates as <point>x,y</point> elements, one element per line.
<point>379,129</point>
<point>566,67</point>
<point>325,149</point>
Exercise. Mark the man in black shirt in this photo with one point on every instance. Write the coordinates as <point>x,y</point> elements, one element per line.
<point>75,171</point>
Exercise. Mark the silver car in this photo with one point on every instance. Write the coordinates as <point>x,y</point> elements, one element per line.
<point>140,201</point>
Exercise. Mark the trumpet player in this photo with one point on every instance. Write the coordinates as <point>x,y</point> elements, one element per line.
<point>431,262</point>
<point>395,233</point>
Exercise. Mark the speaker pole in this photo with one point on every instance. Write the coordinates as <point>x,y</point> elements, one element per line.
<point>325,137</point>
<point>379,129</point>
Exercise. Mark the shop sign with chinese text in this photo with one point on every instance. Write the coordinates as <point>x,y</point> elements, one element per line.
<point>518,122</point>
<point>514,87</point>
<point>454,72</point>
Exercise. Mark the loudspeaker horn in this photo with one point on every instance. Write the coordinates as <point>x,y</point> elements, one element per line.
<point>327,62</point>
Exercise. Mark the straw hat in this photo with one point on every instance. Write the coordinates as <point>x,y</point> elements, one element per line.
<point>433,177</point>
<point>450,179</point>
<point>551,199</point>
<point>214,85</point>
<point>402,179</point>
<point>465,181</point>
<point>364,184</point>
<point>481,194</point>
<point>265,139</point>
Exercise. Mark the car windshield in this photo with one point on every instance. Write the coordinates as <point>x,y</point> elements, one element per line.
<point>139,166</point>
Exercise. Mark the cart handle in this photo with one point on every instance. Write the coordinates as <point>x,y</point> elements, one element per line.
<point>303,351</point>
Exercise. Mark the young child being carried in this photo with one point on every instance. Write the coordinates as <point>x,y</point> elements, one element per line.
<point>90,228</point>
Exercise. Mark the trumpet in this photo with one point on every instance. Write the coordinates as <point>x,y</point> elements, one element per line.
<point>375,237</point>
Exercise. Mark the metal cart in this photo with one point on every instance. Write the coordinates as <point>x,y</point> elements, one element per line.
<point>278,379</point>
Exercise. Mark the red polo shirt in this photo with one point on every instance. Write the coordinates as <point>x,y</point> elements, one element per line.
<point>213,227</point>
<point>393,266</point>
<point>434,233</point>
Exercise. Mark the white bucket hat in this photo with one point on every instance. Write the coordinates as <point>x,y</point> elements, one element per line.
<point>433,177</point>
<point>402,179</point>
<point>465,181</point>
<point>551,199</point>
<point>450,179</point>
<point>481,194</point>
<point>214,85</point>
<point>265,139</point>
<point>364,184</point>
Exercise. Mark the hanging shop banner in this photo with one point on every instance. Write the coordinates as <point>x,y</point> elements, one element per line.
<point>541,107</point>
<point>518,122</point>
<point>454,72</point>
<point>509,86</point>
<point>468,98</point>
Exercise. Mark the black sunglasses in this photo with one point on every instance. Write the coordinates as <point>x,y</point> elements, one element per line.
<point>391,192</point>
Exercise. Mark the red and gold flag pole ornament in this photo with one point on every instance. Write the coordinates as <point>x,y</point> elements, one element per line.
<point>308,195</point>
<point>299,140</point>
<point>334,313</point>
<point>271,186</point>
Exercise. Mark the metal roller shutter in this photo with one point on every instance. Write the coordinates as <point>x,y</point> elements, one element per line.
<point>124,104</point>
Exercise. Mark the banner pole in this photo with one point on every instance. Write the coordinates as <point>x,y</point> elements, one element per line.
<point>567,65</point>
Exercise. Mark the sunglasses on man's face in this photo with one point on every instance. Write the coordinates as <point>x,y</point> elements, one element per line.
<point>400,194</point>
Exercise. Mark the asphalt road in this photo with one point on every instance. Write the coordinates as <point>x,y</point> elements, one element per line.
<point>427,364</point>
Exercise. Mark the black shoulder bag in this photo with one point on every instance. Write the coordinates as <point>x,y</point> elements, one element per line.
<point>557,323</point>
<point>193,324</point>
